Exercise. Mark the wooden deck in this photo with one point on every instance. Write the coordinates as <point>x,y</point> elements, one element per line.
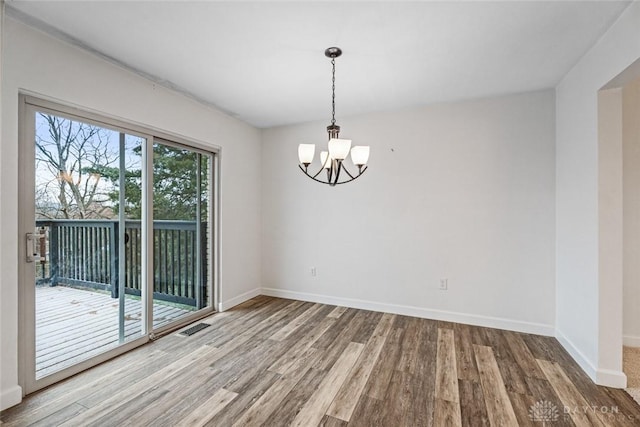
<point>74,324</point>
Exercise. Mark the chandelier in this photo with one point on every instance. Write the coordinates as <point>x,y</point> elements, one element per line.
<point>332,160</point>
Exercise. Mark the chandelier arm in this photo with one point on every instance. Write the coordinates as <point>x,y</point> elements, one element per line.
<point>347,172</point>
<point>314,176</point>
<point>352,179</point>
<point>329,182</point>
<point>338,169</point>
<point>317,173</point>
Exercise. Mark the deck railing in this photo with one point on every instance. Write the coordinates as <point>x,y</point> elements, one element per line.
<point>85,253</point>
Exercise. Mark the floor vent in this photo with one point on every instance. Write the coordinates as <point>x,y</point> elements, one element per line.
<point>195,328</point>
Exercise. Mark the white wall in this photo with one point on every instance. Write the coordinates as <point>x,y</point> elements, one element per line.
<point>631,168</point>
<point>588,320</point>
<point>40,64</point>
<point>610,203</point>
<point>463,191</point>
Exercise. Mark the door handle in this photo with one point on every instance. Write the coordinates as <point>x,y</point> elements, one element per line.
<point>32,256</point>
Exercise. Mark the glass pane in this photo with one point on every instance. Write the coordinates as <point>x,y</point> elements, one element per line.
<point>180,232</point>
<point>83,308</point>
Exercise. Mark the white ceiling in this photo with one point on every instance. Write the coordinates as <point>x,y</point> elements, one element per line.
<point>264,61</point>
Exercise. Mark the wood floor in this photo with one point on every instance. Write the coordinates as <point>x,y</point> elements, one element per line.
<point>75,324</point>
<point>277,362</point>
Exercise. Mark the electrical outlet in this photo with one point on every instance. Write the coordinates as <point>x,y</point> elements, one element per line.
<point>444,284</point>
<point>313,271</point>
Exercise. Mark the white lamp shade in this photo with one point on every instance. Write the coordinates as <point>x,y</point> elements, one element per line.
<point>306,153</point>
<point>326,162</point>
<point>339,148</point>
<point>360,155</point>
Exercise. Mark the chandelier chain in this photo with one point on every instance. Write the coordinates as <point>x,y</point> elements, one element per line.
<point>333,92</point>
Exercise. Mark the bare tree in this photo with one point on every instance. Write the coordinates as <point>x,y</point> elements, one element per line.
<point>68,154</point>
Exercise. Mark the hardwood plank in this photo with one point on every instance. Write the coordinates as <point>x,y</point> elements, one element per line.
<point>199,383</point>
<point>121,415</point>
<point>410,344</point>
<point>445,325</point>
<point>539,348</point>
<point>625,404</point>
<point>349,320</point>
<point>401,322</point>
<point>66,412</point>
<point>339,343</point>
<point>447,413</point>
<point>499,407</point>
<point>296,323</point>
<point>337,312</point>
<point>227,332</point>
<point>369,412</point>
<point>252,365</point>
<point>234,410</point>
<point>465,358</point>
<point>315,320</point>
<point>522,355</point>
<point>49,401</point>
<point>382,372</point>
<point>315,408</point>
<point>422,384</point>
<point>329,421</point>
<point>349,394</point>
<point>295,400</point>
<point>362,335</point>
<point>479,336</point>
<point>91,394</point>
<point>398,402</point>
<point>288,359</point>
<point>447,399</point>
<point>569,394</point>
<point>203,354</point>
<point>512,376</point>
<point>473,411</point>
<point>541,391</point>
<point>522,404</point>
<point>260,411</point>
<point>124,396</point>
<point>446,373</point>
<point>258,355</point>
<point>249,319</point>
<point>428,330</point>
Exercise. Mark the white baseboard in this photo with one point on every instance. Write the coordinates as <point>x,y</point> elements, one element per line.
<point>232,302</point>
<point>577,355</point>
<point>10,397</point>
<point>604,377</point>
<point>406,310</point>
<point>631,341</point>
<point>610,378</point>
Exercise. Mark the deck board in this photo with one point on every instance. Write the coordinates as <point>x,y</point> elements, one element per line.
<point>75,324</point>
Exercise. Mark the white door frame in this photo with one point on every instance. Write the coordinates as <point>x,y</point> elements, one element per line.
<point>28,105</point>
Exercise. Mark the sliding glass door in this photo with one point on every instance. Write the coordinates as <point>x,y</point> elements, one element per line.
<point>117,239</point>
<point>181,231</point>
<point>80,238</point>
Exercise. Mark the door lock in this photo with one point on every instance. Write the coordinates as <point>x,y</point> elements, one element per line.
<point>32,238</point>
